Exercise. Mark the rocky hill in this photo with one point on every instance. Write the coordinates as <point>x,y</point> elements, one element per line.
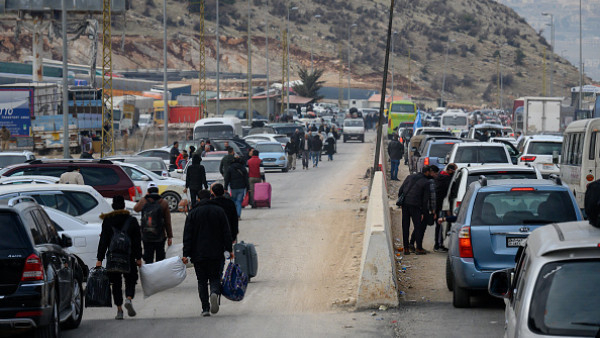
<point>482,37</point>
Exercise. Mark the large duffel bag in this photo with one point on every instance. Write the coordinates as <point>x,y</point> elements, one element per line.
<point>234,283</point>
<point>162,275</point>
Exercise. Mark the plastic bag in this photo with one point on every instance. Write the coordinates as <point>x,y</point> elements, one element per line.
<point>176,250</point>
<point>163,275</point>
<point>97,292</point>
<point>234,283</point>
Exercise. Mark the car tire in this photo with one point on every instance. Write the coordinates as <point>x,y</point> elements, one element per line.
<point>52,330</point>
<point>173,200</point>
<point>77,304</point>
<point>461,297</point>
<point>449,277</point>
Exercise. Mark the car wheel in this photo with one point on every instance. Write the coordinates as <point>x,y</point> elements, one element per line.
<point>173,200</point>
<point>77,305</point>
<point>449,277</point>
<point>52,330</point>
<point>460,297</point>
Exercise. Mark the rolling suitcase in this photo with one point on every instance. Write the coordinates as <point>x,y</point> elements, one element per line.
<point>262,195</point>
<point>246,258</point>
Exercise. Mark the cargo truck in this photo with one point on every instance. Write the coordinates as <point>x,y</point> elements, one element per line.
<point>540,115</point>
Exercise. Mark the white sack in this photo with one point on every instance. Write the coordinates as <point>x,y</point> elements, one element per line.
<point>176,250</point>
<point>162,275</point>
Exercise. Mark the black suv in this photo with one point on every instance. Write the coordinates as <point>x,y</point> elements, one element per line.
<point>40,282</point>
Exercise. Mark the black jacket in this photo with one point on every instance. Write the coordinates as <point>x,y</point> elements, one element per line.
<point>416,188</point>
<point>395,150</point>
<point>291,148</point>
<point>206,234</point>
<point>592,203</point>
<point>232,217</point>
<point>225,163</point>
<point>236,177</point>
<point>316,144</point>
<point>117,219</point>
<point>173,156</point>
<point>195,178</point>
<point>442,183</point>
<point>86,155</point>
<point>303,142</point>
<point>330,145</point>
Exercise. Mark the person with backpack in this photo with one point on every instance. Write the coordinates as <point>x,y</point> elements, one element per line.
<point>156,224</point>
<point>206,238</point>
<point>121,245</point>
<point>195,178</point>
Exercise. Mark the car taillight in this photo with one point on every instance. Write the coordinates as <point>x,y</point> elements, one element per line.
<point>589,178</point>
<point>458,204</point>
<point>138,192</point>
<point>522,189</point>
<point>132,193</point>
<point>426,161</point>
<point>527,158</point>
<point>33,269</point>
<point>465,247</point>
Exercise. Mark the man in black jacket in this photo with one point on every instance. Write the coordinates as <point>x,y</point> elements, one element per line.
<point>218,198</point>
<point>195,178</point>
<point>592,203</point>
<point>416,189</point>
<point>305,147</point>
<point>395,151</point>
<point>316,146</point>
<point>206,237</point>
<point>442,183</point>
<point>173,155</point>
<point>236,177</point>
<point>117,219</point>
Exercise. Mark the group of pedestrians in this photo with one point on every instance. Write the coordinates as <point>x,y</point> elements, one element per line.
<point>309,147</point>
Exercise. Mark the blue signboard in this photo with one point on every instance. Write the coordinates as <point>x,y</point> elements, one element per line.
<point>15,111</point>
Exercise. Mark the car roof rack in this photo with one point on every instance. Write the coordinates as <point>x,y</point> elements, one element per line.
<point>20,199</point>
<point>70,160</point>
<point>483,180</point>
<point>556,179</point>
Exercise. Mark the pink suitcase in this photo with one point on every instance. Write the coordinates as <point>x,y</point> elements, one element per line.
<point>262,195</point>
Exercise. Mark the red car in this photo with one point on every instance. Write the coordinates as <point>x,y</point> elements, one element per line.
<point>107,178</point>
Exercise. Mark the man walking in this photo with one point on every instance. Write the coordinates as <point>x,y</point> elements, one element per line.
<point>174,153</point>
<point>73,176</point>
<point>195,178</point>
<point>121,220</point>
<point>4,137</point>
<point>442,183</point>
<point>395,151</point>
<point>254,173</point>
<point>305,145</point>
<point>416,193</point>
<point>206,236</point>
<point>317,145</point>
<point>226,161</point>
<point>236,177</point>
<point>291,148</point>
<point>156,224</point>
<point>430,173</point>
<point>218,197</point>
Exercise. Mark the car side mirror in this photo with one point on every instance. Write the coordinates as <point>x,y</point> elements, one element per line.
<point>145,178</point>
<point>555,157</point>
<point>500,282</point>
<point>66,241</point>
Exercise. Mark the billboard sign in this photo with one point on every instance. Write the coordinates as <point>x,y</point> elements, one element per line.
<point>15,111</point>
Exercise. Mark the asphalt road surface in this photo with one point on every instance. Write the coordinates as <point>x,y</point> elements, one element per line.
<point>309,246</point>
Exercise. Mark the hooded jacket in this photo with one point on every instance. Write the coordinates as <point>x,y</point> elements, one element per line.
<point>236,177</point>
<point>164,205</point>
<point>442,183</point>
<point>225,163</point>
<point>206,234</point>
<point>395,150</point>
<point>195,177</point>
<point>117,220</point>
<point>416,188</point>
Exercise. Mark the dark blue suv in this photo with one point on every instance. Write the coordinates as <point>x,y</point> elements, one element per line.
<point>495,218</point>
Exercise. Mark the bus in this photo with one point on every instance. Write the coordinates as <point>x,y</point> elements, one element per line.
<point>398,112</point>
<point>580,161</point>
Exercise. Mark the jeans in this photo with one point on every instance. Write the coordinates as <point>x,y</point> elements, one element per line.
<point>412,213</point>
<point>150,248</point>
<point>237,195</point>
<point>116,283</point>
<point>291,161</point>
<point>315,158</point>
<point>394,169</point>
<point>208,271</point>
<point>330,157</point>
<point>305,156</point>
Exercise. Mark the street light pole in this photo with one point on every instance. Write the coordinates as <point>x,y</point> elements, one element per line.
<point>580,59</point>
<point>312,61</point>
<point>349,72</point>
<point>267,56</point>
<point>249,43</point>
<point>65,84</point>
<point>287,30</point>
<point>165,83</point>
<point>551,51</point>
<point>218,110</point>
<point>392,62</point>
<point>444,76</point>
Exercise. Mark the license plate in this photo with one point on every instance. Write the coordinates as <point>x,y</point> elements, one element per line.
<point>515,241</point>
<point>548,166</point>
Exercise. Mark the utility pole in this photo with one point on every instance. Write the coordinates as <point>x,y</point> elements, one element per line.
<point>287,52</point>
<point>311,42</point>
<point>544,71</point>
<point>283,68</point>
<point>267,57</point>
<point>409,75</point>
<point>444,76</point>
<point>498,77</point>
<point>202,87</point>
<point>249,68</point>
<point>218,100</point>
<point>349,70</point>
<point>392,62</point>
<point>165,83</point>
<point>580,59</point>
<point>65,84</point>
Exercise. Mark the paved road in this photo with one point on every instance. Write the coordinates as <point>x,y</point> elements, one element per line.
<point>309,247</point>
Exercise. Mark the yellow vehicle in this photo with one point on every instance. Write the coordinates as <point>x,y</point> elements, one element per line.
<point>398,112</point>
<point>159,111</point>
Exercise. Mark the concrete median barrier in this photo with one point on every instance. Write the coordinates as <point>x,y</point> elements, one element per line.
<point>377,285</point>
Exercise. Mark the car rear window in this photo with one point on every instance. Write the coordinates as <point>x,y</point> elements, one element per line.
<point>518,207</point>
<point>98,176</point>
<point>502,175</point>
<point>282,139</point>
<point>565,299</point>
<point>440,149</point>
<point>153,165</point>
<point>478,154</point>
<point>544,148</point>
<point>11,235</point>
<point>211,166</point>
<point>269,148</point>
<point>7,160</point>
<point>85,201</point>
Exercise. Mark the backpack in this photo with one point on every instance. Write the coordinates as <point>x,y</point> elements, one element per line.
<point>153,221</point>
<point>119,250</point>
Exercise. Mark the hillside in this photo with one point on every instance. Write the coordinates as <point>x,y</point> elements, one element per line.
<point>474,31</point>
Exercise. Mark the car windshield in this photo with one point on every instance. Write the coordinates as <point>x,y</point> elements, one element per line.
<point>544,148</point>
<point>353,123</point>
<point>481,155</point>
<point>211,166</point>
<point>269,148</point>
<point>566,298</point>
<point>454,120</point>
<point>440,149</point>
<point>213,131</point>
<point>7,160</point>
<point>501,175</point>
<point>522,206</point>
<point>234,113</point>
<point>154,165</point>
<point>403,108</point>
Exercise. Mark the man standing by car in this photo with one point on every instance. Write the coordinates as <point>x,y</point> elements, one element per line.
<point>442,183</point>
<point>254,173</point>
<point>195,178</point>
<point>73,176</point>
<point>206,236</point>
<point>395,151</point>
<point>156,224</point>
<point>173,156</point>
<point>416,191</point>
<point>121,220</point>
<point>226,161</point>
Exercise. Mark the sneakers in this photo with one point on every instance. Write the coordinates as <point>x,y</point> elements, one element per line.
<point>130,311</point>
<point>406,252</point>
<point>119,315</point>
<point>214,303</point>
<point>440,249</point>
<point>205,314</point>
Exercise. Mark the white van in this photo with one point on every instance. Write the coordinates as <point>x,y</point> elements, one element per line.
<point>455,121</point>
<point>580,161</point>
<point>218,127</point>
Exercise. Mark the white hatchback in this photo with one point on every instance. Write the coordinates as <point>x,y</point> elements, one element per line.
<point>478,153</point>
<point>543,152</point>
